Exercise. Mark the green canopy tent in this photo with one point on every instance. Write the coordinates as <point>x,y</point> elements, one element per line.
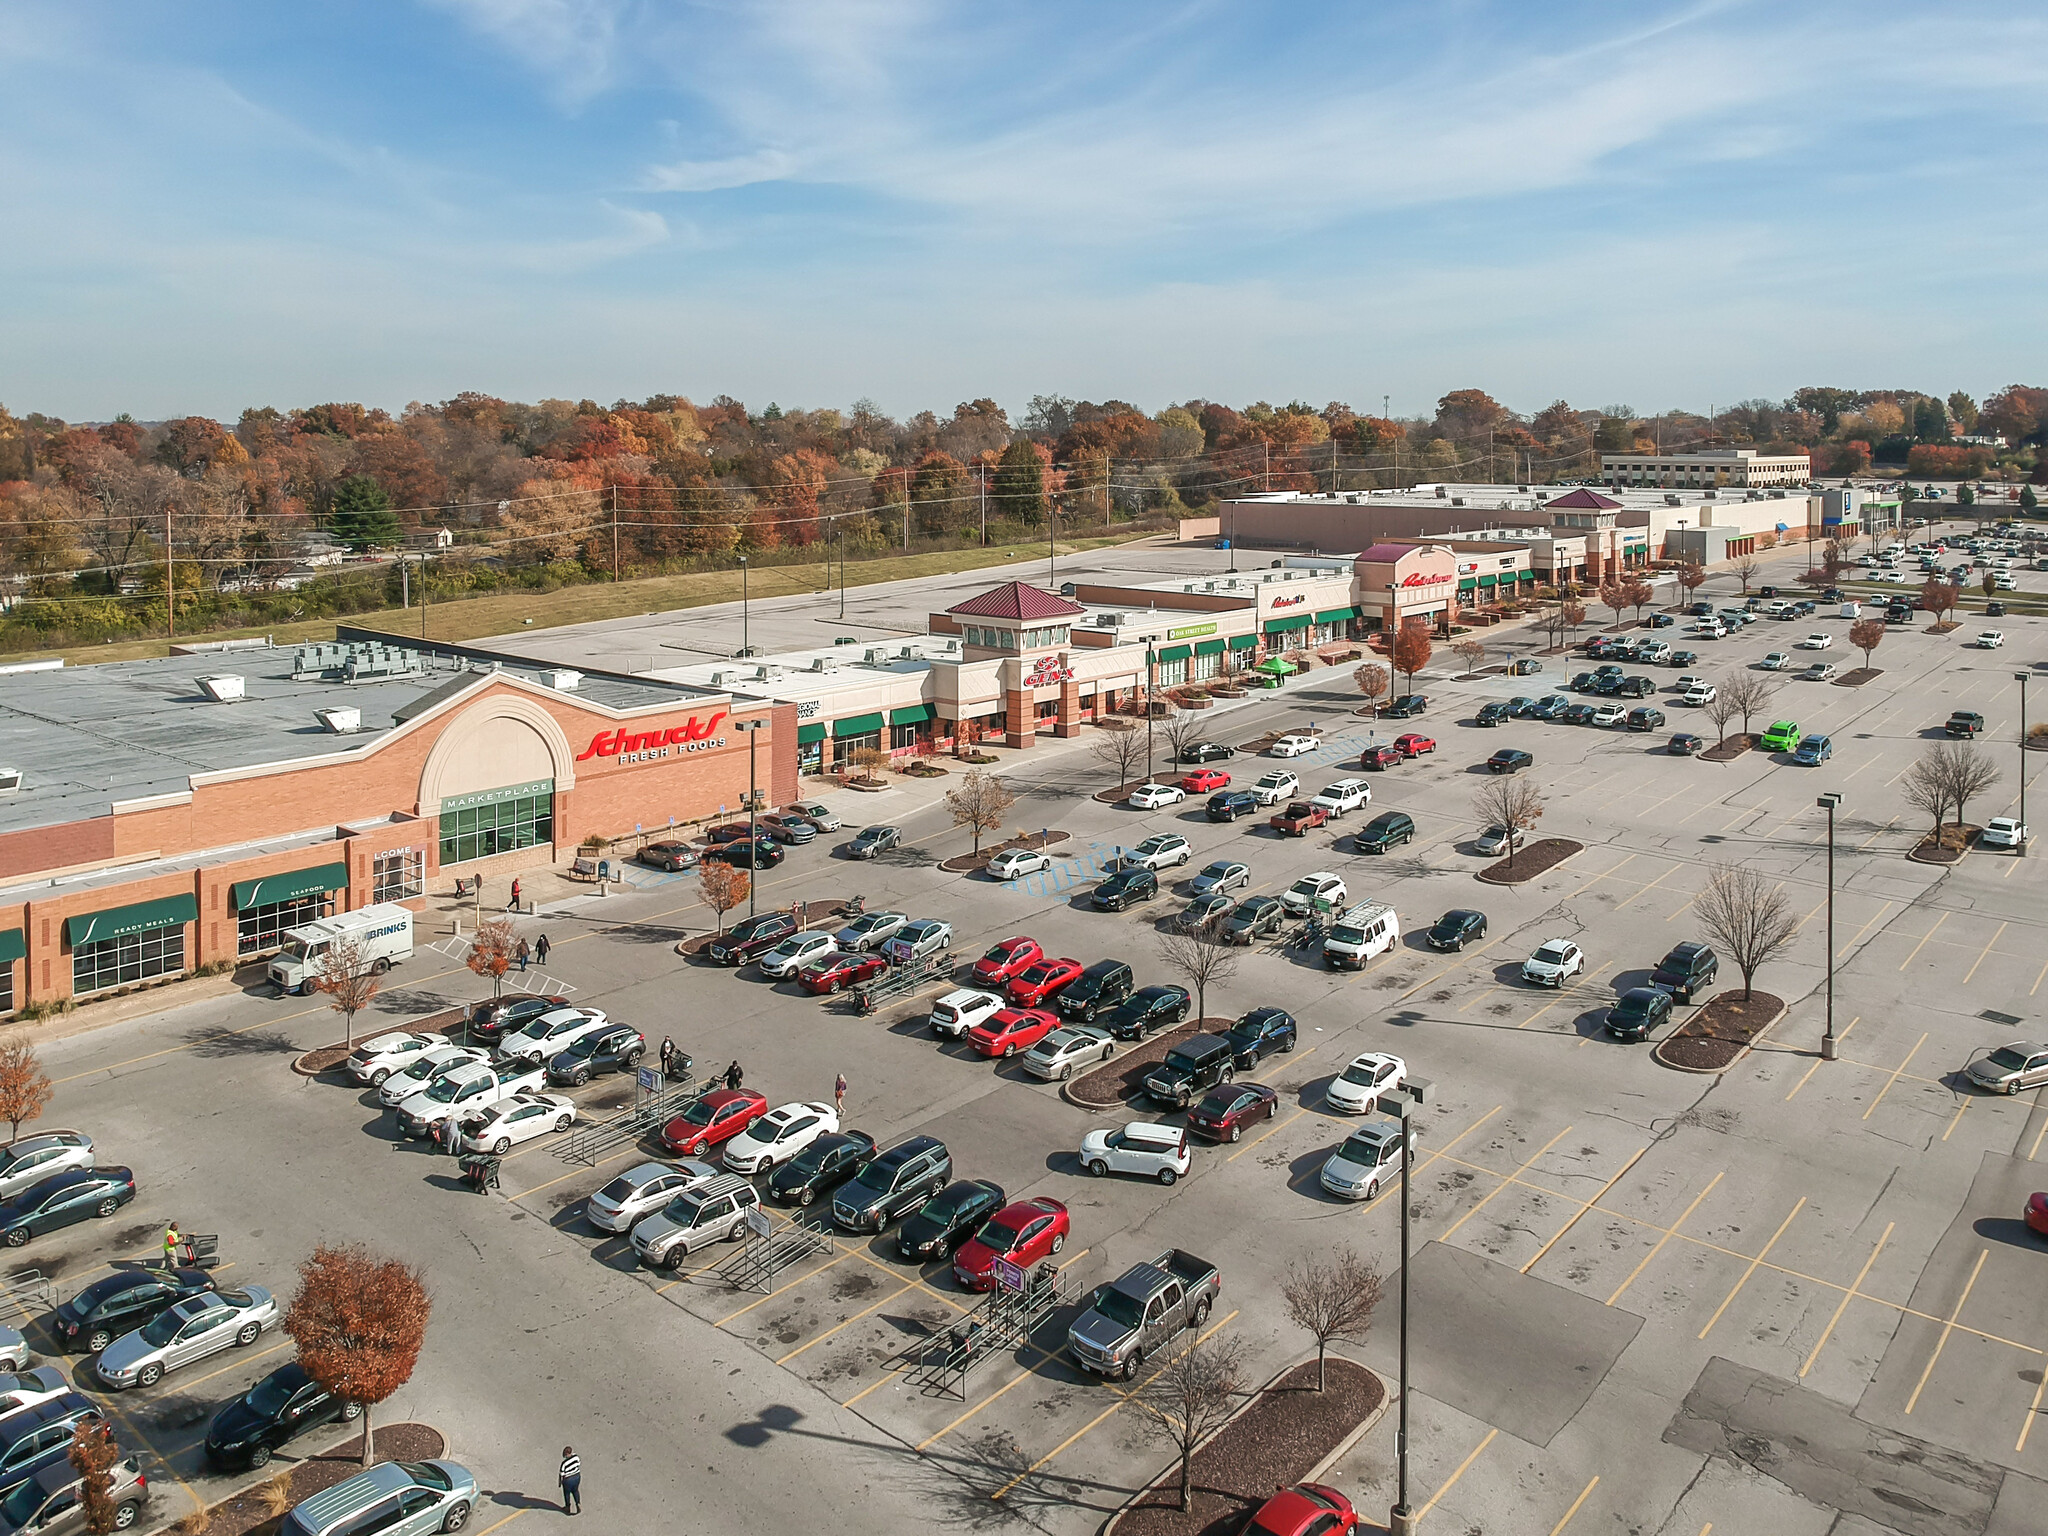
<point>1278,666</point>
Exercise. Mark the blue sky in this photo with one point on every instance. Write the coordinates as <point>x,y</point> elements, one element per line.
<point>217,205</point>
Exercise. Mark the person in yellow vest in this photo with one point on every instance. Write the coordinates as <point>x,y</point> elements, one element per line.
<point>173,1240</point>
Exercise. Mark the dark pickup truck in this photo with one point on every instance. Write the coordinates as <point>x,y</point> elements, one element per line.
<point>1965,722</point>
<point>1138,1314</point>
<point>1299,819</point>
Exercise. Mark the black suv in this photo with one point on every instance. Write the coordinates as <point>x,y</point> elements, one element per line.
<point>1636,687</point>
<point>1409,704</point>
<point>1645,717</point>
<point>1193,1067</point>
<point>1385,832</point>
<point>750,938</point>
<point>1492,713</point>
<point>491,1021</point>
<point>893,1184</point>
<point>270,1413</point>
<point>122,1303</point>
<point>825,1164</point>
<point>1638,1011</point>
<point>1231,804</point>
<point>1457,928</point>
<point>1685,970</point>
<point>1123,888</point>
<point>1151,1008</point>
<point>948,1219</point>
<point>616,1048</point>
<point>1260,1033</point>
<point>1103,985</point>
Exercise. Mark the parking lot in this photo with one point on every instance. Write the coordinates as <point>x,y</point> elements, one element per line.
<point>1602,1245</point>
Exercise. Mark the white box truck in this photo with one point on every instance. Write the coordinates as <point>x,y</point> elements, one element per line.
<point>384,931</point>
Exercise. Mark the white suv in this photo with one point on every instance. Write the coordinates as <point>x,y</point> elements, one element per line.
<point>1344,795</point>
<point>957,1012</point>
<point>1276,786</point>
<point>1162,852</point>
<point>1302,896</point>
<point>1150,1151</point>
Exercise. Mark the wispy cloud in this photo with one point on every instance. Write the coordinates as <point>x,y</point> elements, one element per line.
<point>570,43</point>
<point>718,175</point>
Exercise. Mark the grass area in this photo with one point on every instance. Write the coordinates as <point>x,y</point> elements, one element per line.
<point>501,613</point>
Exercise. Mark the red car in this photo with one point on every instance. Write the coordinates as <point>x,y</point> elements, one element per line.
<point>2037,1212</point>
<point>1413,745</point>
<point>1040,980</point>
<point>1003,963</point>
<point>714,1118</point>
<point>840,969</point>
<point>1023,1233</point>
<point>1306,1509</point>
<point>1228,1109</point>
<point>1202,780</point>
<point>1380,757</point>
<point>1012,1030</point>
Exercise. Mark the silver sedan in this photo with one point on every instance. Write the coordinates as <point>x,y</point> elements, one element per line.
<point>199,1326</point>
<point>1059,1053</point>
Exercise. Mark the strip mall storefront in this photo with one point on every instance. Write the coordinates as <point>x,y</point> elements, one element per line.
<point>486,779</point>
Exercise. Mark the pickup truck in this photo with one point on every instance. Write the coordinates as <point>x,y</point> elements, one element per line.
<point>1299,819</point>
<point>1138,1313</point>
<point>466,1090</point>
<point>1964,722</point>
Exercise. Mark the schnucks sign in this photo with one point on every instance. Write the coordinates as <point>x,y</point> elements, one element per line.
<point>631,746</point>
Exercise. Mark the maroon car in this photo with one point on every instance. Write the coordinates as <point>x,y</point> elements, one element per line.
<point>714,1118</point>
<point>840,969</point>
<point>1230,1107</point>
<point>1379,757</point>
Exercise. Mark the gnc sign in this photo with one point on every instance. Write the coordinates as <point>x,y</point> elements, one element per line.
<point>630,746</point>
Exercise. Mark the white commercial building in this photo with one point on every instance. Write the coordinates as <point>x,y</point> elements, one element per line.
<point>1738,468</point>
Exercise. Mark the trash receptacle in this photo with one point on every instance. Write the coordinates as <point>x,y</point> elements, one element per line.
<point>604,869</point>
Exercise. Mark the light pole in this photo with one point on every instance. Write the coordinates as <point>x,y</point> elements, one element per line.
<point>746,646</point>
<point>1414,1094</point>
<point>2020,850</point>
<point>1149,674</point>
<point>753,809</point>
<point>1828,802</point>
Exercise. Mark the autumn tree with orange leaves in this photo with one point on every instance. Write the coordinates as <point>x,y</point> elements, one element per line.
<point>359,1322</point>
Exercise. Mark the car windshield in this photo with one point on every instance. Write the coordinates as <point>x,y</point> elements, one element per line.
<point>1120,1309</point>
<point>999,954</point>
<point>2007,1058</point>
<point>1360,1149</point>
<point>162,1328</point>
<point>997,1234</point>
<point>812,1158</point>
<point>1550,954</point>
<point>20,1506</point>
<point>1632,1006</point>
<point>620,1190</point>
<point>589,1045</point>
<point>443,1089</point>
<point>700,1112</point>
<point>269,1396</point>
<point>427,1475</point>
<point>1360,1072</point>
<point>1180,1061</point>
<point>1215,871</point>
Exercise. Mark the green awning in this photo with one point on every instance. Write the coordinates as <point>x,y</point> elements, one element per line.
<point>1528,576</point>
<point>1209,647</point>
<point>910,714</point>
<point>1281,626</point>
<point>1175,653</point>
<point>859,725</point>
<point>1244,642</point>
<point>13,946</point>
<point>120,922</point>
<point>1276,665</point>
<point>271,889</point>
<point>806,734</point>
<point>1466,583</point>
<point>1336,615</point>
<point>1489,581</point>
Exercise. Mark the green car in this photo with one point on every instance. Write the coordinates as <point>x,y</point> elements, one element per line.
<point>1783,736</point>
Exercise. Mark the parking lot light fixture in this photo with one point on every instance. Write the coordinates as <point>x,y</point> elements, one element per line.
<point>753,809</point>
<point>2020,848</point>
<point>1828,802</point>
<point>1414,1094</point>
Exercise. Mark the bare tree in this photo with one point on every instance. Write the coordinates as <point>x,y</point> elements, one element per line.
<point>1471,652</point>
<point>1510,801</point>
<point>1751,693</point>
<point>1191,1397</point>
<point>1747,568</point>
<point>1332,1300</point>
<point>1374,681</point>
<point>979,804</point>
<point>1120,747</point>
<point>1196,953</point>
<point>1866,635</point>
<point>1720,709</point>
<point>350,979</point>
<point>1925,787</point>
<point>1747,916</point>
<point>1183,730</point>
<point>1966,772</point>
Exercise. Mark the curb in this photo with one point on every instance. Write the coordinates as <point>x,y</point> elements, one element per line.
<point>1657,1051</point>
<point>299,1065</point>
<point>1487,877</point>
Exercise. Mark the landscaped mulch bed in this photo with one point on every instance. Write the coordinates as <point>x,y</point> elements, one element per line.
<point>1953,843</point>
<point>1278,1440</point>
<point>328,1057</point>
<point>1531,860</point>
<point>1947,626</point>
<point>1720,1032</point>
<point>1858,676</point>
<point>1730,749</point>
<point>1122,1077</point>
<point>1122,792</point>
<point>243,1515</point>
<point>967,863</point>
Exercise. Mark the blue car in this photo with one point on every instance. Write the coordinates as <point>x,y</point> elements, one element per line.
<point>1813,751</point>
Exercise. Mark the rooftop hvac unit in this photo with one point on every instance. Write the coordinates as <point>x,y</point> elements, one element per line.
<point>1441,493</point>
<point>721,679</point>
<point>563,680</point>
<point>342,722</point>
<point>906,653</point>
<point>1352,499</point>
<point>1111,620</point>
<point>10,780</point>
<point>817,663</point>
<point>1457,501</point>
<point>221,689</point>
<point>1671,500</point>
<point>875,653</point>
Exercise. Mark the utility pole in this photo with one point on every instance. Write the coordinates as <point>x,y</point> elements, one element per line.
<point>614,493</point>
<point>1414,1094</point>
<point>1265,464</point>
<point>981,488</point>
<point>170,586</point>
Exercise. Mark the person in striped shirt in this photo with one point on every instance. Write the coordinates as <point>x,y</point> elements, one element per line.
<point>571,1478</point>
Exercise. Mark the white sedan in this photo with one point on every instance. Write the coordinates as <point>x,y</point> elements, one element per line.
<point>1077,1045</point>
<point>1777,661</point>
<point>1150,1151</point>
<point>1555,962</point>
<point>552,1033</point>
<point>794,953</point>
<point>2003,832</point>
<point>1357,1089</point>
<point>1012,863</point>
<point>1990,640</point>
<point>642,1191</point>
<point>1816,641</point>
<point>778,1136</point>
<point>520,1118</point>
<point>199,1326</point>
<point>1154,797</point>
<point>374,1060</point>
<point>1293,746</point>
<point>1698,693</point>
<point>31,1388</point>
<point>401,1086</point>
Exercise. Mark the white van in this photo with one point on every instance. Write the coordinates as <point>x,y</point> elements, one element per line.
<point>1359,933</point>
<point>384,931</point>
<point>1852,610</point>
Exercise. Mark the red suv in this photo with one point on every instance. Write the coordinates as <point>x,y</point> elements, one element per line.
<point>1003,963</point>
<point>1202,780</point>
<point>712,1119</point>
<point>1023,1234</point>
<point>1380,757</point>
<point>1040,980</point>
<point>1414,745</point>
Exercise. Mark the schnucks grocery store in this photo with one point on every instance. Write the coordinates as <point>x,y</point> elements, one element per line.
<point>165,815</point>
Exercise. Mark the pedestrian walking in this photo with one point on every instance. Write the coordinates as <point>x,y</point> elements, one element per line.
<point>522,954</point>
<point>571,1479</point>
<point>734,1076</point>
<point>172,1239</point>
<point>540,949</point>
<point>668,1057</point>
<point>515,895</point>
<point>839,1095</point>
